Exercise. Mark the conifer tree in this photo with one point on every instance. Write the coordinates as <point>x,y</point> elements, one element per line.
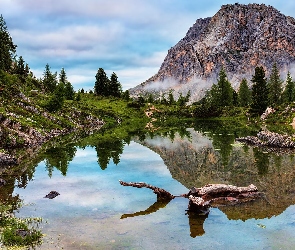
<point>7,47</point>
<point>69,91</point>
<point>171,97</point>
<point>289,92</point>
<point>259,91</point>
<point>244,94</point>
<point>126,95</point>
<point>63,76</point>
<point>65,86</point>
<point>115,88</point>
<point>225,90</point>
<point>49,79</point>
<point>22,69</point>
<point>274,86</point>
<point>101,83</point>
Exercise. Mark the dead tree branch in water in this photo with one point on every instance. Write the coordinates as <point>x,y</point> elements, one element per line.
<point>161,193</point>
<point>200,199</point>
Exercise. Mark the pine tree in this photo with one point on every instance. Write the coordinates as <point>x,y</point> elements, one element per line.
<point>274,86</point>
<point>289,92</point>
<point>101,83</point>
<point>244,94</point>
<point>126,95</point>
<point>259,91</point>
<point>7,47</point>
<point>225,90</point>
<point>49,79</point>
<point>63,76</point>
<point>171,97</point>
<point>115,88</point>
<point>69,91</point>
<point>65,86</point>
<point>56,100</point>
<point>22,69</point>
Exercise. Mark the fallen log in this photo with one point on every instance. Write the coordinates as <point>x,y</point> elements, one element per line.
<point>215,195</point>
<point>211,195</point>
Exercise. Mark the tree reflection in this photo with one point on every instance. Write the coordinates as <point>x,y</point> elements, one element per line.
<point>223,143</point>
<point>59,158</point>
<point>107,151</point>
<point>261,160</point>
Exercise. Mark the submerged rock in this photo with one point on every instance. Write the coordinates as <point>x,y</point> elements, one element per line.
<point>52,194</point>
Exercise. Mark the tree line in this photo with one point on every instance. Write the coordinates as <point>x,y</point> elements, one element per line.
<point>263,93</point>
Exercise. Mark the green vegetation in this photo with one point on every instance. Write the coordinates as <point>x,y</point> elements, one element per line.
<point>18,232</point>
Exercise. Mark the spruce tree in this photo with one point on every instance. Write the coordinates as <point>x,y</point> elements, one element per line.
<point>69,91</point>
<point>63,76</point>
<point>274,86</point>
<point>171,97</point>
<point>101,83</point>
<point>49,79</point>
<point>289,92</point>
<point>65,86</point>
<point>7,47</point>
<point>115,88</point>
<point>259,91</point>
<point>225,90</point>
<point>244,94</point>
<point>126,95</point>
<point>22,69</point>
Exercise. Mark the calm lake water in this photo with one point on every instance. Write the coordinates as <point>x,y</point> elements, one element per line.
<point>93,211</point>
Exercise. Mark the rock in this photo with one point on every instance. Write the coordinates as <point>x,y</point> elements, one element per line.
<point>267,112</point>
<point>269,139</point>
<point>2,182</point>
<point>52,195</point>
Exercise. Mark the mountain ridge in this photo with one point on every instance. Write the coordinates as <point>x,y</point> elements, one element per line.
<point>238,38</point>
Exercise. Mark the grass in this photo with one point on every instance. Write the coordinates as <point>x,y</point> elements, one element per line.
<point>18,232</point>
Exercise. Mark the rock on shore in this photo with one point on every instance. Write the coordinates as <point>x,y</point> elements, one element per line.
<point>269,139</point>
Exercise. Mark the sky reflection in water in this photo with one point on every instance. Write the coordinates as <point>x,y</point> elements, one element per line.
<point>93,211</point>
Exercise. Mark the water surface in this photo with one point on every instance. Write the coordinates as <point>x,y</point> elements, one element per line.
<point>93,211</point>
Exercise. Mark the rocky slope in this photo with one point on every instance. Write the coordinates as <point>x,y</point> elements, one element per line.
<point>25,126</point>
<point>238,37</point>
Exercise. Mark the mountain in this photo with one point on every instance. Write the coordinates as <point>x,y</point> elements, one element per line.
<point>238,37</point>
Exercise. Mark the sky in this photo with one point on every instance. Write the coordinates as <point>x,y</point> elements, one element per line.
<point>128,37</point>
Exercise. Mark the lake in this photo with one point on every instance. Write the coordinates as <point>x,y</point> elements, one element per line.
<point>93,211</point>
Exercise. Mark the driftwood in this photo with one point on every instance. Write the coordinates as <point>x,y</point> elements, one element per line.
<point>200,199</point>
<point>214,195</point>
<point>161,193</point>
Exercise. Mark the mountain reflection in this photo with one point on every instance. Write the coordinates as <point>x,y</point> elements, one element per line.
<point>206,153</point>
<point>211,155</point>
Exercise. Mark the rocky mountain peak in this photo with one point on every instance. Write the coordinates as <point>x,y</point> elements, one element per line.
<point>238,37</point>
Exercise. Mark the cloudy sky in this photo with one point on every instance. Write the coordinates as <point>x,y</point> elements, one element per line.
<point>128,37</point>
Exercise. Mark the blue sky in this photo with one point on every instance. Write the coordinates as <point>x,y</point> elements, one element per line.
<point>128,37</point>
